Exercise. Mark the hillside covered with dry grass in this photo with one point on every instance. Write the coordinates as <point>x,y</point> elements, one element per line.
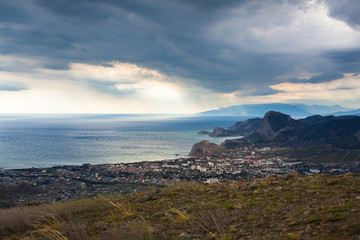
<point>277,207</point>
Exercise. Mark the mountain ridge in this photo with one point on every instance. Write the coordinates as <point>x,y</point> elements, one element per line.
<point>241,128</point>
<point>281,130</point>
<point>296,109</point>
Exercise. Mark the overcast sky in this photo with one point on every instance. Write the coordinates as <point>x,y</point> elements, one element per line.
<point>176,56</point>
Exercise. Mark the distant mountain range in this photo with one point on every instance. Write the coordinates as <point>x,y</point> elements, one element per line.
<point>295,110</point>
<point>355,112</point>
<point>276,129</point>
<point>281,130</point>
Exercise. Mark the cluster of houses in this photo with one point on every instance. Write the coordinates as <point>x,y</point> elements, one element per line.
<point>67,182</point>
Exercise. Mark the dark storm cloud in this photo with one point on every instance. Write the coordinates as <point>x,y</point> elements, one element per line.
<point>170,36</point>
<point>166,36</point>
<point>327,77</point>
<point>84,11</point>
<point>212,5</point>
<point>341,57</point>
<point>346,10</point>
<point>10,12</point>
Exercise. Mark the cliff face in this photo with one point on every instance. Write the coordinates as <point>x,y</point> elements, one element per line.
<point>243,128</point>
<point>247,127</point>
<point>274,123</point>
<point>220,132</point>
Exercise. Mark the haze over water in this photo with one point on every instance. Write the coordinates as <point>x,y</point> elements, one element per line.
<point>43,141</point>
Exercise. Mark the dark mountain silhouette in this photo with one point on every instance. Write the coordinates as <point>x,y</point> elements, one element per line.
<point>274,123</point>
<point>243,128</point>
<point>317,119</point>
<point>280,129</point>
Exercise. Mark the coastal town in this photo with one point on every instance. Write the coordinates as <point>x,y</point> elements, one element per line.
<point>45,185</point>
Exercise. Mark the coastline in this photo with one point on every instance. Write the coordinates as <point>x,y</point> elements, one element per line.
<point>46,141</point>
<point>60,183</point>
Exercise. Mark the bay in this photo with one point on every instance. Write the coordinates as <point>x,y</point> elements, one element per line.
<point>52,140</point>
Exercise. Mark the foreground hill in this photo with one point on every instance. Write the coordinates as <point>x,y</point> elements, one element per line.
<point>277,207</point>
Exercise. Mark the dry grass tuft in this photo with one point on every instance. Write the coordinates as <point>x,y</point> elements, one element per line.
<point>182,215</point>
<point>50,233</point>
<point>121,210</point>
<point>21,218</point>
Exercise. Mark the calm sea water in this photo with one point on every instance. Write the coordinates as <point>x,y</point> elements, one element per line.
<point>43,141</point>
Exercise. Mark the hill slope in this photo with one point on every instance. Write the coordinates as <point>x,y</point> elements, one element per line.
<point>277,207</point>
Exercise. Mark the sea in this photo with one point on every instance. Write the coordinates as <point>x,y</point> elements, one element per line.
<point>54,140</point>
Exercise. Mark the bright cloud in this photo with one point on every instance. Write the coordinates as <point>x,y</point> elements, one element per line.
<point>125,80</point>
<point>284,28</point>
<point>129,88</point>
<point>108,88</point>
<point>113,71</point>
<point>345,91</point>
<point>163,92</point>
<point>117,87</point>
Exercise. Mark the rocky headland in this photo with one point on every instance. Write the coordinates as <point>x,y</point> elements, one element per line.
<point>242,128</point>
<point>276,129</point>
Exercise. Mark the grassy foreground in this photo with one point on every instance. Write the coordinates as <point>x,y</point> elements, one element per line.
<point>277,207</point>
